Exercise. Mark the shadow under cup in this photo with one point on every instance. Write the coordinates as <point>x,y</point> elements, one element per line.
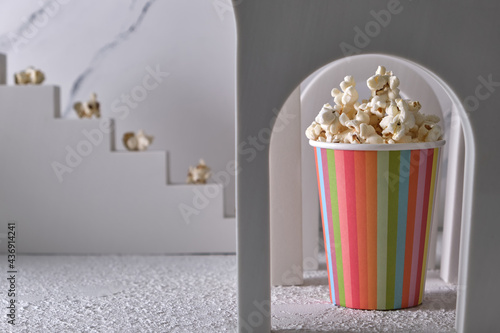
<point>376,207</point>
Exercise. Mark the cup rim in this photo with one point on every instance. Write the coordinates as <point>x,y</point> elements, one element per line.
<point>378,147</point>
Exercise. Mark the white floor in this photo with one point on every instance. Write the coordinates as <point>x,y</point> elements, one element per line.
<point>189,294</point>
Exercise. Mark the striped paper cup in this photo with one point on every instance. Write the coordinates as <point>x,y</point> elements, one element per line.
<point>376,206</point>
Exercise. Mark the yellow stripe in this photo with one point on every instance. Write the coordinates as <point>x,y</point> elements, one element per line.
<point>429,220</point>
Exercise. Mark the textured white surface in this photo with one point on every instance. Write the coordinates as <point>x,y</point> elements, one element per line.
<point>190,294</point>
<point>307,308</point>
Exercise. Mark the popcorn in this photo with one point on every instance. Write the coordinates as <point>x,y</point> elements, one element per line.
<point>327,115</point>
<point>198,174</point>
<point>89,108</point>
<point>325,125</point>
<point>137,142</point>
<point>429,132</point>
<point>353,124</point>
<point>414,106</point>
<point>369,135</point>
<point>29,76</point>
<point>314,131</point>
<point>398,121</point>
<point>345,100</point>
<point>345,136</point>
<point>434,134</point>
<point>22,78</point>
<point>384,118</point>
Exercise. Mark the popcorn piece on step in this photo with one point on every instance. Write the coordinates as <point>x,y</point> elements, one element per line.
<point>198,174</point>
<point>143,140</point>
<point>36,75</point>
<point>21,78</point>
<point>29,76</point>
<point>137,142</point>
<point>89,108</point>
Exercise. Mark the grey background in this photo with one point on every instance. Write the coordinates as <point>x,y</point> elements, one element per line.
<point>281,42</point>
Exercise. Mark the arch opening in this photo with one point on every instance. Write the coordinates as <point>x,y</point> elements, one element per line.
<point>453,204</point>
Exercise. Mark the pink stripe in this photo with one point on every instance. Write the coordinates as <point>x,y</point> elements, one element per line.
<point>344,235</point>
<point>328,199</point>
<point>352,221</point>
<point>418,224</point>
<point>425,223</point>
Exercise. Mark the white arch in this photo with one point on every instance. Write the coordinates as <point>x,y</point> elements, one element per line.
<point>339,68</point>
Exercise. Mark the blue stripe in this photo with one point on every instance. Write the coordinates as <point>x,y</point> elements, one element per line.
<point>325,222</point>
<point>404,182</point>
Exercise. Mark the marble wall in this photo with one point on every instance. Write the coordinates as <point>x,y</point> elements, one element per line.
<point>165,66</point>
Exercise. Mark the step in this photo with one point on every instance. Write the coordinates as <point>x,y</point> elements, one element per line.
<point>29,102</point>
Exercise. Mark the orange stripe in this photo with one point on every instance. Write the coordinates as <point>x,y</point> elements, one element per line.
<point>371,221</point>
<point>412,203</point>
<point>344,231</point>
<point>360,183</point>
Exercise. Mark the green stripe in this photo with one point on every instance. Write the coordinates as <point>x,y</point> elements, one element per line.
<point>392,228</point>
<point>382,202</point>
<point>336,223</point>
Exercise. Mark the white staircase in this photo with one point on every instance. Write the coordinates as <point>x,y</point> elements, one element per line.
<point>99,200</point>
